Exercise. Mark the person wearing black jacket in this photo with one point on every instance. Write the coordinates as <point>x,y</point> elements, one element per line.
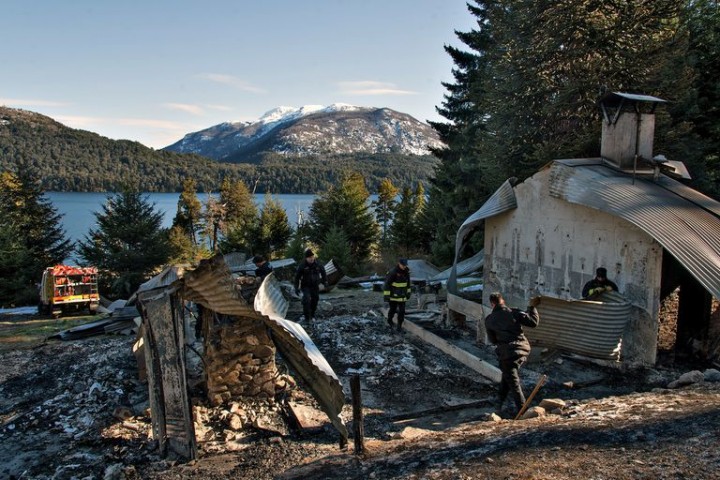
<point>308,278</point>
<point>396,291</point>
<point>504,327</point>
<point>262,267</point>
<point>599,284</point>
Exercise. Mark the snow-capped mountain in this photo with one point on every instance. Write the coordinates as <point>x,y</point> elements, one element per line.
<point>313,129</point>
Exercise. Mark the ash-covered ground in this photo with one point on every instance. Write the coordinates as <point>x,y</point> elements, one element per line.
<point>75,409</point>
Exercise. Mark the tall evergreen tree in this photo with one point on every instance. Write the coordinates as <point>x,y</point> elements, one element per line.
<point>273,229</point>
<point>129,243</point>
<point>239,218</point>
<point>347,207</point>
<point>337,249</point>
<point>385,206</point>
<point>31,236</point>
<point>189,210</point>
<point>403,231</point>
<point>526,91</point>
<point>16,270</point>
<point>27,211</point>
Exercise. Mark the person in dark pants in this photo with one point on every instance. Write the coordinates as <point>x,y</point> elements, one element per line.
<point>308,278</point>
<point>599,284</point>
<point>396,291</point>
<point>504,328</point>
<point>262,267</point>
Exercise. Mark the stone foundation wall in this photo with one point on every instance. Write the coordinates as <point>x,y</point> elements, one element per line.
<point>240,361</point>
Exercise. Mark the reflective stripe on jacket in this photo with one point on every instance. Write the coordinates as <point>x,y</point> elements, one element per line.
<point>397,285</point>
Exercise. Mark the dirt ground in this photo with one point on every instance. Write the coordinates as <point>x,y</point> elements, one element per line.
<point>75,409</point>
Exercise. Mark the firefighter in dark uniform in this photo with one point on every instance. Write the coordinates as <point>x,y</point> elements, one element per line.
<point>504,328</point>
<point>262,267</point>
<point>599,284</point>
<point>396,291</point>
<point>310,274</point>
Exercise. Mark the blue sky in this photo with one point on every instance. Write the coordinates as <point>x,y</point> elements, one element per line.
<point>153,71</point>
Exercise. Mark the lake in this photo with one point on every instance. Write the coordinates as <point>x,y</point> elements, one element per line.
<point>78,208</point>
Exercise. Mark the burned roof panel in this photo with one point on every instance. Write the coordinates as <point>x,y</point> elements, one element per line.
<point>603,325</point>
<point>501,201</point>
<point>687,232</point>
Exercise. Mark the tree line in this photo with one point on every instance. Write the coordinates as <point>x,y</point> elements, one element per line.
<point>80,161</point>
<point>129,245</point>
<point>524,92</point>
<point>526,84</point>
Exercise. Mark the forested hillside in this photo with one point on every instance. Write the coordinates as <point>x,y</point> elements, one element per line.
<point>76,160</point>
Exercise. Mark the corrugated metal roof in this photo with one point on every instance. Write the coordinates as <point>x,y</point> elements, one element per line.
<point>603,323</point>
<point>212,285</point>
<point>298,349</point>
<point>688,233</point>
<point>466,267</point>
<point>421,270</point>
<point>501,201</point>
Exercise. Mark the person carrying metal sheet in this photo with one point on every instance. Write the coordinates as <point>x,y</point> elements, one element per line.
<point>396,291</point>
<point>310,274</point>
<point>504,327</point>
<point>599,284</point>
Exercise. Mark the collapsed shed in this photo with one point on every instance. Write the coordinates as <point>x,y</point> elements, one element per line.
<point>241,334</point>
<point>625,211</point>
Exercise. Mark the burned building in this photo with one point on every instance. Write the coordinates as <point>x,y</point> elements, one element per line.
<point>626,211</point>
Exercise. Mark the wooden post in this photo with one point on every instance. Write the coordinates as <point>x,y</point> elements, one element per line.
<point>358,427</point>
<point>532,395</point>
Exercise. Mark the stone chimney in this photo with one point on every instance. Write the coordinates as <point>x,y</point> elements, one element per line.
<point>628,129</point>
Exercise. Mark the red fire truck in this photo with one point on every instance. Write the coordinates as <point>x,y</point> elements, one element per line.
<point>66,289</point>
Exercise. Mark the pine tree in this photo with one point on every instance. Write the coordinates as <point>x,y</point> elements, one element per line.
<point>385,206</point>
<point>403,231</point>
<point>17,285</point>
<point>337,248</point>
<point>33,236</point>
<point>526,92</point>
<point>129,243</point>
<point>346,207</point>
<point>240,217</point>
<point>273,229</point>
<point>189,211</point>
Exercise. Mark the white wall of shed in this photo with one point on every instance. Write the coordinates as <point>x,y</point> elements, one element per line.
<point>551,247</point>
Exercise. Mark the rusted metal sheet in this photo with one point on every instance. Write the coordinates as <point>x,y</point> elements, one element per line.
<point>298,349</point>
<point>591,328</point>
<point>687,232</point>
<point>212,285</point>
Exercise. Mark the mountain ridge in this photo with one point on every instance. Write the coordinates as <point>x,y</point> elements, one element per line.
<point>66,159</point>
<point>312,130</point>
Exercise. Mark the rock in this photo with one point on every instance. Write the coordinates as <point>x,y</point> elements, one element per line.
<point>711,375</point>
<point>533,412</point>
<point>550,404</point>
<point>687,378</point>
<point>122,413</point>
<point>114,472</point>
<point>263,351</point>
<point>493,417</point>
<point>235,422</point>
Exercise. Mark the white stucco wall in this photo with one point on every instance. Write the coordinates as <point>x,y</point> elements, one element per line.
<point>551,247</point>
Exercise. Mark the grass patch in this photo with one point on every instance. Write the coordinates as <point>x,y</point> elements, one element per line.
<point>22,331</point>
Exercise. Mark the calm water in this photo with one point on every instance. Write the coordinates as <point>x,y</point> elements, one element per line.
<point>78,208</point>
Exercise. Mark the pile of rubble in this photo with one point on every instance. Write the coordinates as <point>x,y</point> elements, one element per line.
<point>78,410</point>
